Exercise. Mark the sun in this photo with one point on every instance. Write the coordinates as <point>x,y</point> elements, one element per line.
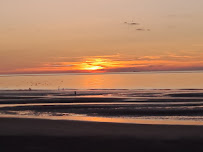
<point>93,68</point>
<point>93,65</point>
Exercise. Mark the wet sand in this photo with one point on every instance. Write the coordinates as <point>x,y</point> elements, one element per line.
<point>43,135</point>
<point>35,135</point>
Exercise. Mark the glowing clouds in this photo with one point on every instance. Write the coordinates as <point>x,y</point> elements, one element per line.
<point>90,67</point>
<point>118,63</point>
<point>92,64</point>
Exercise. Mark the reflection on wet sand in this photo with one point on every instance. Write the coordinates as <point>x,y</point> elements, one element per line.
<point>128,120</point>
<point>183,107</point>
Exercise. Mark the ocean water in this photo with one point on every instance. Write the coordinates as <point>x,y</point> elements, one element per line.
<point>138,97</point>
<point>131,80</point>
<point>145,106</point>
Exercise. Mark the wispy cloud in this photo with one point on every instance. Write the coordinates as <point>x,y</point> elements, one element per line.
<point>138,28</point>
<point>131,23</point>
<point>118,63</point>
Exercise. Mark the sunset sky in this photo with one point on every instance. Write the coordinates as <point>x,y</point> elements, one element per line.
<point>43,36</point>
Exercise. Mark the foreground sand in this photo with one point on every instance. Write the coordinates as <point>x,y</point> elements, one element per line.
<point>35,135</point>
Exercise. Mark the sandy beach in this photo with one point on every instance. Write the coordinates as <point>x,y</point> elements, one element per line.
<point>33,135</point>
<point>42,121</point>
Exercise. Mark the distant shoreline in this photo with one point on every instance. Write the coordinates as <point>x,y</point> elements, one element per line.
<point>95,73</point>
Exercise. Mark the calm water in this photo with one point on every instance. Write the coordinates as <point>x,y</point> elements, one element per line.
<point>135,80</point>
<point>152,106</point>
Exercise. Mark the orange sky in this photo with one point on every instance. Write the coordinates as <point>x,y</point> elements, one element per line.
<point>100,36</point>
<point>117,63</point>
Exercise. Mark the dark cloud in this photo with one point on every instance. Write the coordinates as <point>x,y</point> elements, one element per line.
<point>136,24</point>
<point>154,68</point>
<point>131,23</point>
<point>140,29</point>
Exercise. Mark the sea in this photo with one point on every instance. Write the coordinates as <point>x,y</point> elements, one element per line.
<point>172,98</point>
<point>127,80</point>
